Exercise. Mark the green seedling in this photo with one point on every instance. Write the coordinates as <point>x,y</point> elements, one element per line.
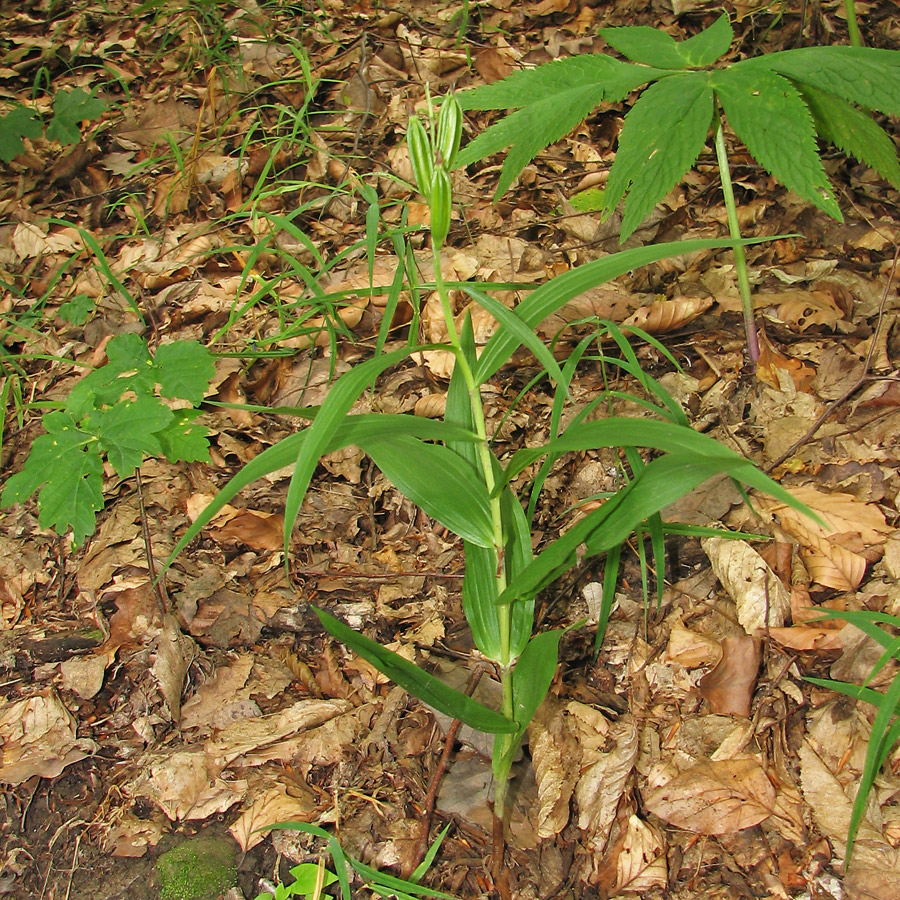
<point>777,105</point>
<point>121,412</point>
<point>886,726</point>
<point>309,879</point>
<point>448,468</point>
<point>70,109</point>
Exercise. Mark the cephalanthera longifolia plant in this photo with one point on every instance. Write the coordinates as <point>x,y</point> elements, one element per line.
<point>448,469</point>
<point>776,104</point>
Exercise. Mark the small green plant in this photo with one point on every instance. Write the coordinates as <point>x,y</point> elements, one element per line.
<point>70,108</point>
<point>309,878</point>
<point>776,104</point>
<point>134,406</point>
<point>448,468</point>
<point>886,726</point>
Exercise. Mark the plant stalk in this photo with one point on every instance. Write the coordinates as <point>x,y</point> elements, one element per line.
<point>504,615</point>
<point>734,229</point>
<point>852,24</point>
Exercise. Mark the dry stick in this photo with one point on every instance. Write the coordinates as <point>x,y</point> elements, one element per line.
<point>439,772</point>
<point>159,590</point>
<point>826,414</point>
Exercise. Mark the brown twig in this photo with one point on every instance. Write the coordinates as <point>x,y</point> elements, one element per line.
<point>829,410</point>
<point>436,778</point>
<point>160,591</point>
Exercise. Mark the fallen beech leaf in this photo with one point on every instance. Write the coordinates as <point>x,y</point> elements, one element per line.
<point>729,687</point>
<point>801,309</point>
<point>668,315</point>
<point>778,371</point>
<point>690,649</point>
<point>256,529</point>
<point>641,863</point>
<point>760,596</point>
<point>271,806</point>
<point>714,797</point>
<point>38,737</point>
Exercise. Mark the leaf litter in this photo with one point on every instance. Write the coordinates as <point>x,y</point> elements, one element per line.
<point>691,758</point>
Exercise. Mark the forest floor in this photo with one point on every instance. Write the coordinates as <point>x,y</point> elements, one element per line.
<point>222,193</point>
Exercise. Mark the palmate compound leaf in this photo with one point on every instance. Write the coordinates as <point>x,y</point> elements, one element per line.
<point>661,139</point>
<point>417,681</point>
<point>653,47</point>
<point>550,101</point>
<point>127,431</point>
<point>768,114</point>
<point>853,131</point>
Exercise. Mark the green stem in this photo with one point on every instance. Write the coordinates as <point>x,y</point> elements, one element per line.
<point>852,24</point>
<point>734,229</point>
<point>504,612</point>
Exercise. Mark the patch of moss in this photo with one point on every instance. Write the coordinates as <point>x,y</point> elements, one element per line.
<point>200,868</point>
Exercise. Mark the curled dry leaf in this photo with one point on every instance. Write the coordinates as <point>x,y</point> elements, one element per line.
<point>690,649</point>
<point>714,797</point>
<point>834,555</point>
<point>641,860</point>
<point>431,406</point>
<point>782,372</point>
<point>668,315</point>
<point>273,805</point>
<point>38,737</point>
<point>761,598</point>
<point>729,687</point>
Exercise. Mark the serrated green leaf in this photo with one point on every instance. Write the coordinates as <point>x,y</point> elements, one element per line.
<point>661,139</point>
<point>438,481</point>
<point>654,47</point>
<point>183,441</point>
<point>16,124</point>
<point>417,681</point>
<point>69,109</point>
<point>551,100</point>
<point>768,114</point>
<point>77,309</point>
<point>853,131</point>
<point>51,453</point>
<point>72,497</point>
<point>127,431</point>
<point>865,76</point>
<point>184,369</point>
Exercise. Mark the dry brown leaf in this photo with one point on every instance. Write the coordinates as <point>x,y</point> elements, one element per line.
<point>690,649</point>
<point>254,528</point>
<point>668,315</point>
<point>641,861</point>
<point>270,806</point>
<point>729,687</point>
<point>802,309</point>
<point>782,372</point>
<point>714,797</point>
<point>833,555</point>
<point>760,596</point>
<point>556,757</point>
<point>175,653</point>
<point>38,737</point>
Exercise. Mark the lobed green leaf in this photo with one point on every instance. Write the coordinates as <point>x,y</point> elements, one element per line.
<point>653,47</point>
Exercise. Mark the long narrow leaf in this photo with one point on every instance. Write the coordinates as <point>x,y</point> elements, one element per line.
<point>417,681</point>
<point>557,292</point>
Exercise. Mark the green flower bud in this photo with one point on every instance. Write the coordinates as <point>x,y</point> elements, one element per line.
<point>449,131</point>
<point>420,155</point>
<point>441,204</point>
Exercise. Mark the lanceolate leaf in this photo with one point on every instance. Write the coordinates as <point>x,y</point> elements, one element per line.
<point>853,131</point>
<point>439,481</point>
<point>417,681</point>
<point>865,76</point>
<point>556,293</point>
<point>518,557</point>
<point>479,597</point>
<point>769,116</point>
<point>353,430</point>
<point>551,101</point>
<point>653,47</point>
<point>661,139</point>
